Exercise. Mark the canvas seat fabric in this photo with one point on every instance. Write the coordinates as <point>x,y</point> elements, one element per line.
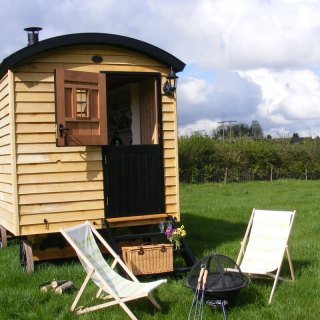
<point>266,243</point>
<point>83,239</point>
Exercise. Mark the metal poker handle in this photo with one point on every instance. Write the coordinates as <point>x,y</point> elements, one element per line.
<point>204,279</point>
<point>201,273</point>
<point>194,304</point>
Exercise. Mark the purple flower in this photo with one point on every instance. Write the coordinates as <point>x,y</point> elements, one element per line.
<point>169,231</point>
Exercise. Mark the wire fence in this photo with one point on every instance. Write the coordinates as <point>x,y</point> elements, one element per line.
<point>228,175</point>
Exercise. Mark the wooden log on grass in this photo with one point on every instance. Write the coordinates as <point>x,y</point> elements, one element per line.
<point>53,285</point>
<point>45,288</point>
<point>64,287</point>
<point>56,283</point>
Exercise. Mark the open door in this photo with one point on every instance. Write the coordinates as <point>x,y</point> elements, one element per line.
<point>133,160</point>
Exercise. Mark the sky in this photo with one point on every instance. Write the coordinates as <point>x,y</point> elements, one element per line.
<point>246,60</point>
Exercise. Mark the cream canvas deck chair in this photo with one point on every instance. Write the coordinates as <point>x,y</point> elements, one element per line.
<point>112,286</point>
<point>265,243</point>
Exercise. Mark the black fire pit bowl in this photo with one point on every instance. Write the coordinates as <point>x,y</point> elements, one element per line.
<point>225,278</point>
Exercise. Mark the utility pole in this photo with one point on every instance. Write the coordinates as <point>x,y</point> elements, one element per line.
<point>231,121</point>
<point>223,123</point>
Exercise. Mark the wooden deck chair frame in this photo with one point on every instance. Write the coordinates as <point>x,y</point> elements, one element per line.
<point>275,274</point>
<point>111,293</point>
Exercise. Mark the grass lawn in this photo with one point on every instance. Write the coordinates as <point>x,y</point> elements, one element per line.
<point>215,217</point>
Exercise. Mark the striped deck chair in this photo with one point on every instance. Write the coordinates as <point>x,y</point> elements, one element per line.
<point>112,286</point>
<point>265,243</point>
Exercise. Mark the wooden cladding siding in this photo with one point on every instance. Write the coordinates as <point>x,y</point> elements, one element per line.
<point>61,185</point>
<point>64,185</point>
<point>7,190</point>
<point>170,145</point>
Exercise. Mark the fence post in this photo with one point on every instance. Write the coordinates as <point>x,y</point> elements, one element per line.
<point>306,174</point>
<point>226,175</point>
<point>271,173</point>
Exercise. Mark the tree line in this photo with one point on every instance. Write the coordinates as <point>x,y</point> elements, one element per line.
<point>206,158</point>
<point>233,129</point>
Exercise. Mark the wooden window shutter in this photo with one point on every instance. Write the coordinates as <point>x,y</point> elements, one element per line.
<point>81,108</point>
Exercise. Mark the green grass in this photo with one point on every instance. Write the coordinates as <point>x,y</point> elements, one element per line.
<point>215,217</point>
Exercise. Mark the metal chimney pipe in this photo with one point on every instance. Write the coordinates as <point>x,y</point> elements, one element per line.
<point>33,35</point>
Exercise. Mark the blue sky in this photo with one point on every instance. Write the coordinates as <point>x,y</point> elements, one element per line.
<point>246,59</point>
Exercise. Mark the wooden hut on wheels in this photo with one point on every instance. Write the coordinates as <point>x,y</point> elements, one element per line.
<point>88,131</point>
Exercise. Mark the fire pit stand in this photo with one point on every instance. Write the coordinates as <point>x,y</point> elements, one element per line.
<point>224,280</point>
<point>219,305</point>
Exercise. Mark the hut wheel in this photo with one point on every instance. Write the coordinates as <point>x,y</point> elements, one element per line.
<point>26,256</point>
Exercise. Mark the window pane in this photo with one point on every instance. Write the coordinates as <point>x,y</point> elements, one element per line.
<point>83,103</point>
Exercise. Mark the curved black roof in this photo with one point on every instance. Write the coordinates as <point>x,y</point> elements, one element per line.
<point>91,38</point>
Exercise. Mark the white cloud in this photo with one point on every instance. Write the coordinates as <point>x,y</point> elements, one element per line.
<point>246,34</point>
<point>195,90</point>
<point>273,43</point>
<point>229,96</point>
<point>290,98</point>
<point>204,126</point>
<point>216,34</point>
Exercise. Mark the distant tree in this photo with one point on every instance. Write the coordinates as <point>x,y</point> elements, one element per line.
<point>295,138</point>
<point>240,130</point>
<point>226,131</point>
<point>221,131</point>
<point>256,130</point>
<point>237,130</point>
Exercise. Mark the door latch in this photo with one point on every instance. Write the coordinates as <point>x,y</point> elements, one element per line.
<point>63,132</point>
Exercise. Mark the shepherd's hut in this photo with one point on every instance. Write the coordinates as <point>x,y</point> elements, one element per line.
<point>88,131</point>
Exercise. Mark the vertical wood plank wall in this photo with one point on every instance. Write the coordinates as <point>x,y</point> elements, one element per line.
<point>170,145</point>
<point>7,214</point>
<point>59,187</point>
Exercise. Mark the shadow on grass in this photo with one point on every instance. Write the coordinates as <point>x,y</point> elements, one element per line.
<point>206,234</point>
<point>298,267</point>
<point>145,307</point>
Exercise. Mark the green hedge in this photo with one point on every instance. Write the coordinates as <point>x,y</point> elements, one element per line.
<point>203,158</point>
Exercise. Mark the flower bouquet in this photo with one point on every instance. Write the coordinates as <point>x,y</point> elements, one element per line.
<point>174,235</point>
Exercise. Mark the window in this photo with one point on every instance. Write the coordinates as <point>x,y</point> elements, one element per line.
<point>80,108</point>
<point>83,106</point>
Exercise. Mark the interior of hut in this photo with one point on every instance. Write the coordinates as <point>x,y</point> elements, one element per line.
<point>132,106</point>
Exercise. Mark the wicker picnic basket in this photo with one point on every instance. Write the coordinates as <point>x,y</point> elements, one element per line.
<point>149,258</point>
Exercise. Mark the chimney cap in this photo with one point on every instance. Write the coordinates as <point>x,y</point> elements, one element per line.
<point>33,35</point>
<point>33,29</point>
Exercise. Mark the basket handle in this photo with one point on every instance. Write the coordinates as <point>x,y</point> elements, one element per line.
<point>163,248</point>
<point>141,250</point>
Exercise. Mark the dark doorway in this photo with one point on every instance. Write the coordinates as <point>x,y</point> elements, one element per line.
<point>133,165</point>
